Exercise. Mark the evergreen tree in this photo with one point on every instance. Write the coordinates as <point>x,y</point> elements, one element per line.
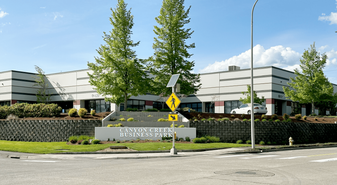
<point>310,84</point>
<point>118,74</point>
<point>248,94</point>
<point>42,93</point>
<point>171,55</point>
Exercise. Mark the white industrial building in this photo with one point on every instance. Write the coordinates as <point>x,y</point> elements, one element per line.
<point>220,91</point>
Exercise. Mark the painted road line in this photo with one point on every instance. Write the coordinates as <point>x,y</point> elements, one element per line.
<point>324,160</point>
<point>322,155</point>
<point>296,157</point>
<point>227,156</point>
<point>40,161</point>
<point>258,157</point>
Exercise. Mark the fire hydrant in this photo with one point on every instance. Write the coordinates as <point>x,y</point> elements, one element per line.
<point>291,141</point>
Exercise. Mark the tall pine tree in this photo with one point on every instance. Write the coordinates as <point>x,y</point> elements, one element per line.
<point>118,74</point>
<point>310,84</point>
<point>171,55</point>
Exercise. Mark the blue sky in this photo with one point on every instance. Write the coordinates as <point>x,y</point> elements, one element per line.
<point>63,35</point>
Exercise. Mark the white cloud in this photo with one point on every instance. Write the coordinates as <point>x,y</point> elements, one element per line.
<point>332,17</point>
<point>57,15</point>
<point>322,48</point>
<point>42,7</point>
<point>332,58</point>
<point>278,56</point>
<point>293,67</point>
<point>3,14</point>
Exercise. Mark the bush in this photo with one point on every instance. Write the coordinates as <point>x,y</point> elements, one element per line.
<point>288,120</point>
<point>203,140</point>
<point>203,119</point>
<point>85,142</point>
<point>262,143</point>
<point>211,119</point>
<point>131,109</point>
<point>304,117</point>
<point>274,117</point>
<point>277,120</point>
<point>119,125</point>
<point>30,110</point>
<point>83,137</point>
<point>187,139</point>
<point>298,116</point>
<point>165,110</point>
<point>257,120</point>
<point>248,142</point>
<point>239,141</point>
<point>268,143</point>
<point>270,120</point>
<point>130,119</point>
<point>225,119</point>
<point>82,112</point>
<point>152,110</point>
<point>263,116</point>
<point>181,126</point>
<point>244,120</point>
<point>313,115</point>
<point>196,140</point>
<point>264,120</point>
<point>175,125</point>
<point>122,119</point>
<point>110,125</point>
<point>236,119</point>
<point>232,116</point>
<point>285,116</point>
<point>212,139</point>
<point>72,112</point>
<point>93,112</point>
<point>73,139</point>
<point>162,120</point>
<point>96,141</point>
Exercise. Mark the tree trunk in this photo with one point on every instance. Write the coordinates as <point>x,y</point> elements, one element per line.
<point>125,101</point>
<point>312,108</point>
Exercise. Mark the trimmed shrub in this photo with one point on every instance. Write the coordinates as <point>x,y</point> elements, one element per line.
<point>304,117</point>
<point>274,117</point>
<point>285,116</point>
<point>203,139</point>
<point>93,112</point>
<point>187,139</point>
<point>232,116</point>
<point>277,120</point>
<point>119,125</point>
<point>130,119</point>
<point>268,143</point>
<point>270,120</point>
<point>181,126</point>
<point>85,142</point>
<point>288,120</point>
<point>196,140</point>
<point>82,112</point>
<point>131,109</point>
<point>96,141</point>
<point>298,116</point>
<point>203,119</point>
<point>257,120</point>
<point>72,112</point>
<point>244,120</point>
<point>152,110</point>
<point>110,125</point>
<point>30,110</point>
<point>263,116</point>
<point>211,119</point>
<point>236,119</point>
<point>248,142</point>
<point>262,143</point>
<point>122,119</point>
<point>212,139</point>
<point>264,120</point>
<point>73,139</point>
<point>83,137</point>
<point>239,141</point>
<point>161,120</point>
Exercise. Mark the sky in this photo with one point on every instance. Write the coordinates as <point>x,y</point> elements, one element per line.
<point>63,35</point>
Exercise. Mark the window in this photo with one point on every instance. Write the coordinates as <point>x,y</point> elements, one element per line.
<point>195,106</point>
<point>209,107</point>
<point>97,105</point>
<point>160,105</point>
<point>230,105</point>
<point>295,108</point>
<point>3,103</point>
<point>138,104</point>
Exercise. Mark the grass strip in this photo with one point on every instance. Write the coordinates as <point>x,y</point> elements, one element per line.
<point>60,147</point>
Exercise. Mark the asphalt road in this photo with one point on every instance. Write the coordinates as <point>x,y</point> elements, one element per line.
<point>307,166</point>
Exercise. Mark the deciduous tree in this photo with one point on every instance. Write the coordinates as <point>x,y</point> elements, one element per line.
<point>310,84</point>
<point>248,99</point>
<point>42,93</point>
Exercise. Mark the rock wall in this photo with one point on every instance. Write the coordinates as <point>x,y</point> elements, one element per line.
<point>279,132</point>
<point>46,130</point>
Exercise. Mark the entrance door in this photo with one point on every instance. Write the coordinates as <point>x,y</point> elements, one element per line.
<point>278,107</point>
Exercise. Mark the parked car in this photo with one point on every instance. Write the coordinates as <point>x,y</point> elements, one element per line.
<point>246,109</point>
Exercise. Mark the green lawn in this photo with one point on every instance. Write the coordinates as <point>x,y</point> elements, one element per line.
<point>60,147</point>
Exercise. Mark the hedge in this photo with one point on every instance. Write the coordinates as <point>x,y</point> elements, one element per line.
<point>30,110</point>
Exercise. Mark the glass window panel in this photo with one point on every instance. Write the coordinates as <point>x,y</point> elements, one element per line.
<point>98,106</point>
<point>135,102</point>
<point>228,104</point>
<point>129,102</point>
<point>227,110</point>
<point>194,105</point>
<point>141,102</point>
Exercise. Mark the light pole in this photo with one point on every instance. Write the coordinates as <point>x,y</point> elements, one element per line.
<point>251,85</point>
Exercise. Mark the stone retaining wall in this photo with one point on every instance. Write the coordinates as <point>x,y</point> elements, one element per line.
<point>46,130</point>
<point>231,131</point>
